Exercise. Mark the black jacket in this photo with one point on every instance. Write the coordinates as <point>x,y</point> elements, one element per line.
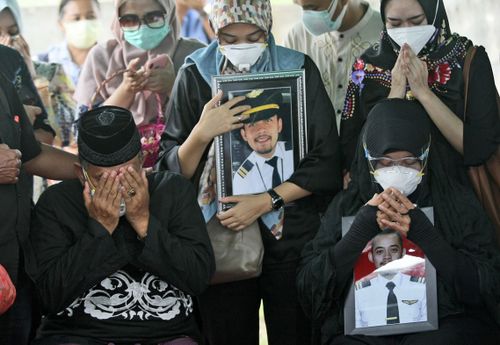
<point>15,199</point>
<point>318,172</point>
<point>72,253</point>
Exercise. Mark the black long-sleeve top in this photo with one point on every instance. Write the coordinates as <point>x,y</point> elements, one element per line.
<point>326,269</point>
<point>15,70</point>
<point>76,263</point>
<point>15,199</point>
<point>319,172</point>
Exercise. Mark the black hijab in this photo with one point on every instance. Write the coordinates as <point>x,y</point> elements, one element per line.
<point>441,45</point>
<point>444,54</point>
<point>458,215</point>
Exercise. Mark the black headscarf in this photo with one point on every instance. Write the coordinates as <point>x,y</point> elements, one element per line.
<point>444,55</point>
<point>397,125</point>
<point>458,215</point>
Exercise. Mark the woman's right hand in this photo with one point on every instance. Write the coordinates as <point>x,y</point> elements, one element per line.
<point>398,78</point>
<point>134,79</point>
<point>216,120</point>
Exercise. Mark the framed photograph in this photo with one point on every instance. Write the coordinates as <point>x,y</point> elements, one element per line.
<point>394,287</point>
<point>267,149</point>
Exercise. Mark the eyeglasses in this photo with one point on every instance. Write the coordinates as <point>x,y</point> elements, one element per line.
<point>386,162</point>
<point>132,22</point>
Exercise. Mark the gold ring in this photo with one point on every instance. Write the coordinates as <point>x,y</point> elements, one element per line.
<point>239,118</point>
<point>131,192</point>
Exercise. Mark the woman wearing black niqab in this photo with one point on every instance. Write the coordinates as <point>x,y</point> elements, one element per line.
<point>435,79</point>
<point>460,244</point>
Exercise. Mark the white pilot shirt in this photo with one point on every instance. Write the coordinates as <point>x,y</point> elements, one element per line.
<point>371,300</point>
<point>256,176</point>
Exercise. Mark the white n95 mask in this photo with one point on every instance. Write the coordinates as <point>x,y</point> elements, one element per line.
<point>415,36</point>
<point>404,179</point>
<point>243,55</point>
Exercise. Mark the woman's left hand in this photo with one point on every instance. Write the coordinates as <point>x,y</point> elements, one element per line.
<point>247,209</point>
<point>416,72</point>
<point>394,211</point>
<point>161,79</point>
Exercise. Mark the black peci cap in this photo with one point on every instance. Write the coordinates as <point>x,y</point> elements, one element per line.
<point>108,136</point>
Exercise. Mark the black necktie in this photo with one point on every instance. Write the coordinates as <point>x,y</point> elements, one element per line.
<point>392,305</point>
<point>276,175</point>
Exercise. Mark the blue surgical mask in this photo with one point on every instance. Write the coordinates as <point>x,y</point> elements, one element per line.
<point>146,38</point>
<point>320,22</point>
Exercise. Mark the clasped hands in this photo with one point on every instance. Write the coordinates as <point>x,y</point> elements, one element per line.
<point>125,184</point>
<point>409,69</point>
<point>393,208</point>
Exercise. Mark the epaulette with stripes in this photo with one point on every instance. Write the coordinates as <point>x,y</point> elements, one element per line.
<point>245,168</point>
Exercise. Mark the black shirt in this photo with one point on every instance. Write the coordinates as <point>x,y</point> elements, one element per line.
<point>15,70</point>
<point>15,199</point>
<point>318,172</point>
<point>116,287</point>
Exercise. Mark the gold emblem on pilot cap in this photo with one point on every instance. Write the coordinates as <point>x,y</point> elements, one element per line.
<point>254,93</point>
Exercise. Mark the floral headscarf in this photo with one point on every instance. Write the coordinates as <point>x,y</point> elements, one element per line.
<point>225,12</point>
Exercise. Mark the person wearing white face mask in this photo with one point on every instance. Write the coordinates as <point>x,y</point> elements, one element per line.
<point>79,21</point>
<point>245,44</point>
<point>400,173</point>
<point>418,57</point>
<point>333,33</point>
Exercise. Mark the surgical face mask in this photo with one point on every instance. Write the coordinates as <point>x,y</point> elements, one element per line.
<point>404,179</point>
<point>415,36</point>
<point>320,22</point>
<point>146,38</point>
<point>82,34</point>
<point>123,206</point>
<point>243,55</point>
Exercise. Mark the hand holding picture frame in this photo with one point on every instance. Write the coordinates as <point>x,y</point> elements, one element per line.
<point>394,287</point>
<point>267,149</point>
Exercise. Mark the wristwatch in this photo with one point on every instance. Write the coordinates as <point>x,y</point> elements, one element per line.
<point>277,201</point>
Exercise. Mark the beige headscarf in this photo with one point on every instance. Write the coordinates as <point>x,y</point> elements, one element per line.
<point>114,55</point>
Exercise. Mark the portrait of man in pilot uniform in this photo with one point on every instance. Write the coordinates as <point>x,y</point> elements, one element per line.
<point>271,161</point>
<point>390,296</point>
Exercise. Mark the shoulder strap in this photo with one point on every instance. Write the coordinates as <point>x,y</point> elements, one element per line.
<point>467,63</point>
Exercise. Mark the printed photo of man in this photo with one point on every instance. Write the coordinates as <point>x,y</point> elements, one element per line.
<point>271,161</point>
<point>391,297</point>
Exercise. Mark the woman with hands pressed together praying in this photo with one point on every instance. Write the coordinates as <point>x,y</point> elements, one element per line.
<point>419,58</point>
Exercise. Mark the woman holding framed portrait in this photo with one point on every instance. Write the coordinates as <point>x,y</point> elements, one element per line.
<point>245,45</point>
<point>399,165</point>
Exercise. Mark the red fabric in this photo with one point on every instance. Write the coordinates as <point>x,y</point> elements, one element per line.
<point>7,291</point>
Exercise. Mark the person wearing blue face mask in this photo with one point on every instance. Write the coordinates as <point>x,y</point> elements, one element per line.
<point>144,31</point>
<point>245,44</point>
<point>333,33</point>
